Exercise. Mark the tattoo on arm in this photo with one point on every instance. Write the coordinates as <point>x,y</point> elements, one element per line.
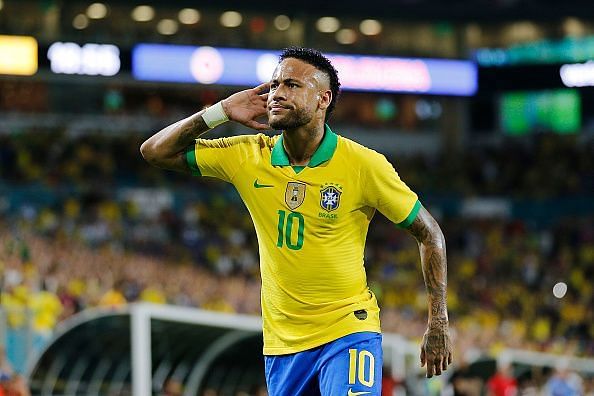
<point>436,349</point>
<point>188,132</point>
<point>191,130</point>
<point>433,261</point>
<point>167,148</point>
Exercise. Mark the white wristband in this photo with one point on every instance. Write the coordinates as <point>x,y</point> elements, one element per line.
<point>215,115</point>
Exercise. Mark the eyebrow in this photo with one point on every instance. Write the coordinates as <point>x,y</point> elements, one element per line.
<point>286,80</point>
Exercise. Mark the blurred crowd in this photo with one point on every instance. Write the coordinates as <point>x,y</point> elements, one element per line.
<point>539,167</point>
<point>11,382</point>
<point>501,274</point>
<point>509,379</point>
<point>547,166</point>
<point>101,253</point>
<point>85,222</point>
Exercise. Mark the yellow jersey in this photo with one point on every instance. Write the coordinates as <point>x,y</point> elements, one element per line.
<point>311,223</point>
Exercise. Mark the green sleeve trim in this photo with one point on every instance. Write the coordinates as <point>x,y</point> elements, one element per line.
<point>411,217</point>
<point>191,160</point>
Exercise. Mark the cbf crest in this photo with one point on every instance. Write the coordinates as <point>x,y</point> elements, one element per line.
<point>295,194</point>
<point>330,196</point>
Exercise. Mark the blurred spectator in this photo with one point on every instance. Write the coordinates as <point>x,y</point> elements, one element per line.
<point>464,381</point>
<point>6,371</point>
<point>113,297</point>
<point>16,386</point>
<point>564,382</point>
<point>502,383</point>
<point>11,384</point>
<point>389,384</point>
<point>172,387</point>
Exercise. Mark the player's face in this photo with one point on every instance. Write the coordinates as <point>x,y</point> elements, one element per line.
<point>296,95</point>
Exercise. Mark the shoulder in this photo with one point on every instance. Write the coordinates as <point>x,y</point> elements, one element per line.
<point>360,154</point>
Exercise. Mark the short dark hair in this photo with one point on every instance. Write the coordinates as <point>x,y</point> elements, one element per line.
<point>320,62</point>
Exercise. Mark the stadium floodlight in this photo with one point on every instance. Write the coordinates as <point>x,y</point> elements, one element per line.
<point>143,13</point>
<point>282,22</point>
<point>328,24</point>
<point>80,22</point>
<point>167,27</point>
<point>346,36</point>
<point>231,19</point>
<point>573,27</point>
<point>97,11</point>
<point>189,16</point>
<point>370,27</point>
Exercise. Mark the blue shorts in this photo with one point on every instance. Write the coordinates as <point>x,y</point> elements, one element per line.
<point>348,366</point>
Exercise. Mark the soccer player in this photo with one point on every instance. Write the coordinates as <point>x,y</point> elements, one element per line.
<point>311,194</point>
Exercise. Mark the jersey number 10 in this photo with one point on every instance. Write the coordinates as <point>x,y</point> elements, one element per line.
<point>285,230</point>
<point>358,361</point>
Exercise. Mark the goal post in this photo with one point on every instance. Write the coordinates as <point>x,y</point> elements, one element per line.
<point>141,315</point>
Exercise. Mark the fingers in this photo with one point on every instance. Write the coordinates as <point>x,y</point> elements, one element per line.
<point>435,365</point>
<point>436,350</point>
<point>262,88</point>
<point>446,361</point>
<point>430,368</point>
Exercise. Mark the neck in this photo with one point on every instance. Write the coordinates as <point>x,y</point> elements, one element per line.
<point>301,143</point>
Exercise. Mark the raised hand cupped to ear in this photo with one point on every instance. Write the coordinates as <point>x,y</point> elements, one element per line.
<point>246,106</point>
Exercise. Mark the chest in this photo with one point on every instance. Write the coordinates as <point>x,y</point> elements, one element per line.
<point>327,194</point>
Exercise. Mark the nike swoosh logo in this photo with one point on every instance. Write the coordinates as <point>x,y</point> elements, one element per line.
<point>351,393</point>
<point>261,185</point>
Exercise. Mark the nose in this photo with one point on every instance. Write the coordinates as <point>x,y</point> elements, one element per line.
<point>277,95</point>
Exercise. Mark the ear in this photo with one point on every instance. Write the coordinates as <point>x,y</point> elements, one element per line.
<point>324,99</point>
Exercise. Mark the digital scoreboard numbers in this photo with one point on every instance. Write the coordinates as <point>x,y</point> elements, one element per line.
<point>88,59</point>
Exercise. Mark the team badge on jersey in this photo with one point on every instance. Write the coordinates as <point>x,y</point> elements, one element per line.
<point>330,197</point>
<point>295,194</point>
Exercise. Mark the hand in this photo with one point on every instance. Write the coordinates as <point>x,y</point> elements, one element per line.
<point>436,350</point>
<point>245,106</point>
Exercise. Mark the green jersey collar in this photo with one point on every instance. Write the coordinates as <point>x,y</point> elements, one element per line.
<point>324,152</point>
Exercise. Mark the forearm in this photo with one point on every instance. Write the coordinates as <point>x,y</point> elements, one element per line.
<point>436,349</point>
<point>432,248</point>
<point>434,265</point>
<point>165,149</point>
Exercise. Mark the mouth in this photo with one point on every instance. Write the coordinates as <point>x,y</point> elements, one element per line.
<point>276,108</point>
